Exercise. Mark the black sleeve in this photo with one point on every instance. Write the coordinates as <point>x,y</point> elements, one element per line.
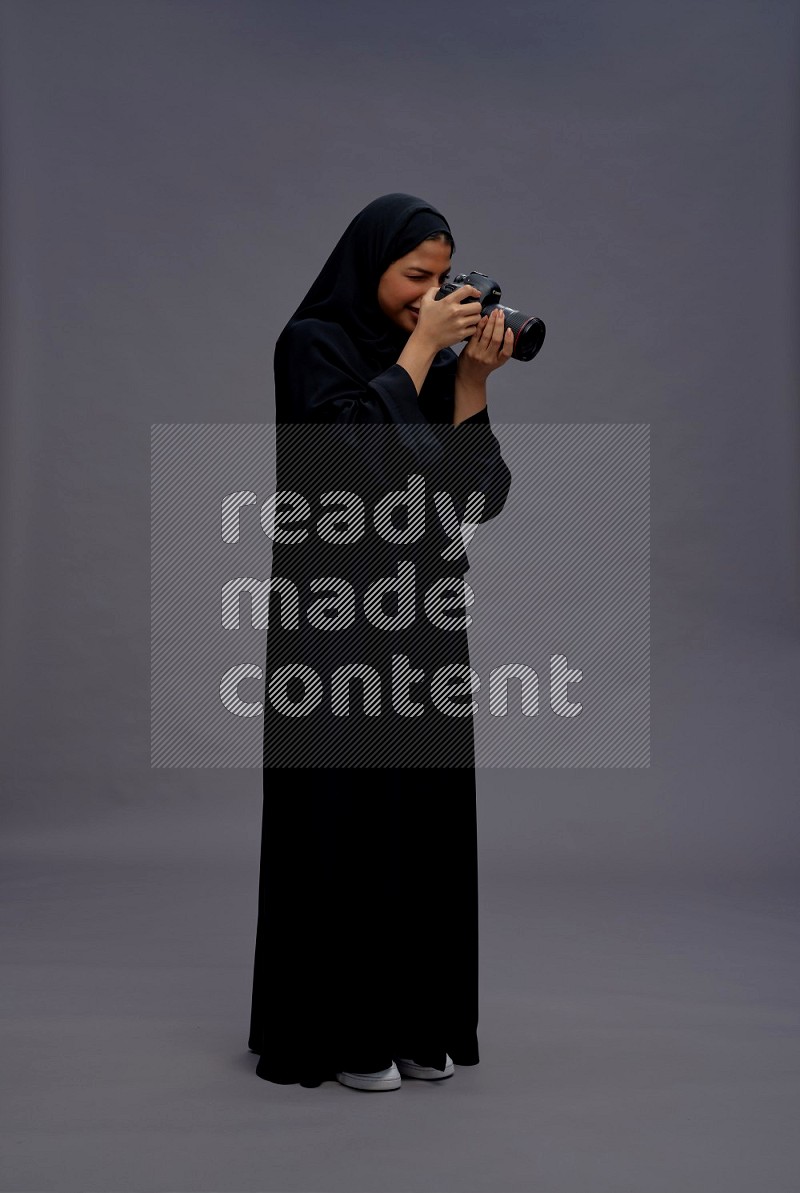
<point>473,460</point>
<point>475,464</point>
<point>317,381</point>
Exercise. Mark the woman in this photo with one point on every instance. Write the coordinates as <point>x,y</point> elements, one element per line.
<point>366,958</point>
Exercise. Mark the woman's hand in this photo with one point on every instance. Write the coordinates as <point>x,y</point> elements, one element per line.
<point>489,348</point>
<point>443,322</point>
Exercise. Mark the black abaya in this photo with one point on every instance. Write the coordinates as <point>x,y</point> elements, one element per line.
<point>367,932</point>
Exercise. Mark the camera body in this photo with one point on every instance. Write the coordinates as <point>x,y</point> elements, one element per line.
<point>528,330</point>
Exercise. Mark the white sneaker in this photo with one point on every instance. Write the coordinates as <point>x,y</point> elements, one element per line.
<point>410,1068</point>
<point>385,1079</point>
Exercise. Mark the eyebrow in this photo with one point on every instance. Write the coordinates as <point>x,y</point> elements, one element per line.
<point>419,269</point>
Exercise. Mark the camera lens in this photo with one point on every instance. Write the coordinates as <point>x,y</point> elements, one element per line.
<point>529,339</point>
<point>528,331</point>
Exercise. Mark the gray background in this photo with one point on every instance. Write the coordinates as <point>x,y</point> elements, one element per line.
<point>174,175</point>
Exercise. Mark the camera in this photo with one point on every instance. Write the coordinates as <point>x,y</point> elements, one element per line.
<point>528,330</point>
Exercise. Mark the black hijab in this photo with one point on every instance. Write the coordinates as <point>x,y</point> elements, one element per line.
<point>346,288</point>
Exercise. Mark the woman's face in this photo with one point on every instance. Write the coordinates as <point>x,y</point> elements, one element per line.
<point>407,279</point>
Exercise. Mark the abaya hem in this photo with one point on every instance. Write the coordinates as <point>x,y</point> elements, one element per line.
<point>463,1051</point>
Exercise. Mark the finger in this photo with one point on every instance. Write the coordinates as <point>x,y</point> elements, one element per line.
<point>463,292</point>
<point>496,335</point>
<point>508,342</point>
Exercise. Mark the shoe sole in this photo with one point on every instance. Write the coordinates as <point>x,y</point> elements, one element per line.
<point>363,1081</point>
